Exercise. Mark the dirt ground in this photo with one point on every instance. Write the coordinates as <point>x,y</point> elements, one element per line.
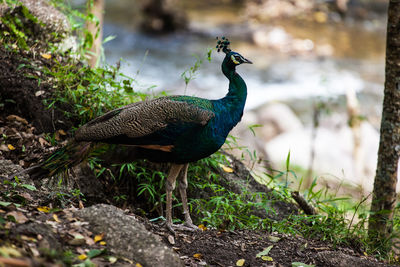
<point>40,225</point>
<point>23,118</point>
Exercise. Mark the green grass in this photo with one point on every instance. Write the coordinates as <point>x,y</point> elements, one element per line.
<point>89,93</point>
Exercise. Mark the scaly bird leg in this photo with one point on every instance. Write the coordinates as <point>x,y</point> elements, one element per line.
<point>170,186</point>
<point>183,184</point>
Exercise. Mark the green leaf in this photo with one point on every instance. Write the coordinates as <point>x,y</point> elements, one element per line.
<point>29,187</point>
<point>109,38</point>
<point>5,203</point>
<point>300,264</point>
<point>94,253</point>
<point>264,252</point>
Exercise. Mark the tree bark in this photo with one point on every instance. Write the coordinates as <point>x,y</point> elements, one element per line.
<point>96,29</point>
<point>384,193</point>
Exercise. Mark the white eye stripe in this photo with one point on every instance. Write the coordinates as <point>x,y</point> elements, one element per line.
<point>234,60</point>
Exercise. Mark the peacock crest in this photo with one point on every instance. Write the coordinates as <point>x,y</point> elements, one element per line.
<point>223,45</point>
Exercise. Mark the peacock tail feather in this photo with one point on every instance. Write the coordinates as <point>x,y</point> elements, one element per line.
<point>62,159</point>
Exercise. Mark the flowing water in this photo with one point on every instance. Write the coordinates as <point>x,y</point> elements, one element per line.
<point>356,62</point>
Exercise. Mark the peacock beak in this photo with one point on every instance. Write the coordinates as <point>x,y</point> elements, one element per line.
<point>245,60</point>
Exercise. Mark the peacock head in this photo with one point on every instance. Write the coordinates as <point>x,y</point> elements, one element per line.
<point>232,58</point>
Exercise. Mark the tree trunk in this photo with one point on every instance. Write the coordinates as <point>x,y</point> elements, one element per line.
<point>96,8</point>
<point>384,193</point>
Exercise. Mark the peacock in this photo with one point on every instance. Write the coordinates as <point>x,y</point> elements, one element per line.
<point>176,129</point>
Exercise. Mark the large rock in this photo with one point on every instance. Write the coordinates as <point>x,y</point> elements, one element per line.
<point>277,118</point>
<point>127,237</point>
<point>45,12</point>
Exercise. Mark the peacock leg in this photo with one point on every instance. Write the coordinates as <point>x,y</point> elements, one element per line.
<point>183,184</point>
<point>170,186</point>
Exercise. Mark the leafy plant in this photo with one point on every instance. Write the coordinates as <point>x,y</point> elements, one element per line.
<point>190,74</point>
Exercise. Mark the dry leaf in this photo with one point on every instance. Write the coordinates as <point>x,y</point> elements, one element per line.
<point>82,257</point>
<point>197,256</point>
<point>202,227</point>
<point>28,238</point>
<point>273,238</point>
<point>17,118</point>
<point>43,142</point>
<point>55,217</point>
<point>46,56</point>
<point>98,238</point>
<point>226,169</point>
<point>10,147</point>
<point>78,240</point>
<point>39,93</point>
<point>267,258</point>
<point>18,216</point>
<point>171,239</point>
<point>9,252</point>
<point>240,262</point>
<point>320,17</point>
<point>112,259</point>
<point>44,209</point>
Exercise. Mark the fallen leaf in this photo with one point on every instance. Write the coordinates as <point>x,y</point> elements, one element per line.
<point>55,217</point>
<point>138,265</point>
<point>39,93</point>
<point>5,203</point>
<point>240,262</point>
<point>89,241</point>
<point>171,239</point>
<point>273,238</point>
<point>98,238</point>
<point>9,252</point>
<point>44,209</point>
<point>267,258</point>
<point>103,243</point>
<point>46,56</point>
<point>202,227</point>
<point>10,147</point>
<point>17,118</point>
<point>197,256</point>
<point>226,169</point>
<point>320,17</point>
<point>264,252</point>
<point>300,264</point>
<point>112,259</point>
<point>18,216</point>
<point>43,142</point>
<point>94,253</point>
<point>82,257</point>
<point>62,132</point>
<point>78,240</point>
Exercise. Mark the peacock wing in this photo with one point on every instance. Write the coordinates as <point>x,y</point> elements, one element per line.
<point>143,118</point>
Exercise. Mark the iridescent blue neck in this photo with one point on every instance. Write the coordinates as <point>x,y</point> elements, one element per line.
<point>237,94</point>
<point>231,106</point>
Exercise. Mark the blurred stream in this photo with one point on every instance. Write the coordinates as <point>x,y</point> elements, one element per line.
<point>297,63</point>
<point>356,60</point>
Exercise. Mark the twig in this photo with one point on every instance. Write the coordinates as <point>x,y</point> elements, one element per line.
<point>306,207</point>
